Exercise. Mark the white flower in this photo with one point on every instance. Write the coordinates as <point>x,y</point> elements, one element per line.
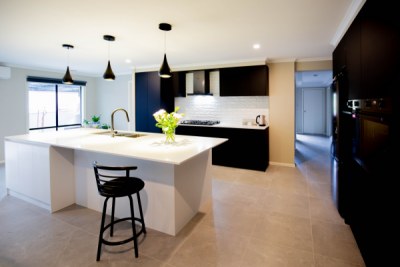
<point>167,121</point>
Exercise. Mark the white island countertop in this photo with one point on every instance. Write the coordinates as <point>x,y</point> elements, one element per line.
<point>150,147</point>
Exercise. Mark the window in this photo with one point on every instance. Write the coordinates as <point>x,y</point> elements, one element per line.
<point>53,105</point>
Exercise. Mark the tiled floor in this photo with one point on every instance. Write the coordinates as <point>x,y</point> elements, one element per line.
<point>281,217</point>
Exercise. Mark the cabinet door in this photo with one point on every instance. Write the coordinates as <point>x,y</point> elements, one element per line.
<point>353,60</point>
<point>178,81</point>
<point>150,97</point>
<point>153,100</point>
<point>380,49</point>
<point>141,101</point>
<point>167,94</point>
<point>245,148</point>
<point>339,57</point>
<point>244,81</point>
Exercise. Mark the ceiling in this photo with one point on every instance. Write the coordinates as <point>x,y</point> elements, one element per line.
<point>307,79</point>
<point>204,33</point>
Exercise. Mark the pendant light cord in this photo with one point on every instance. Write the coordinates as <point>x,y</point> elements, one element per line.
<point>165,42</point>
<point>68,56</point>
<point>108,51</point>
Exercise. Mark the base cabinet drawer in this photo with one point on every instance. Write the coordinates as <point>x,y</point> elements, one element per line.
<point>245,148</point>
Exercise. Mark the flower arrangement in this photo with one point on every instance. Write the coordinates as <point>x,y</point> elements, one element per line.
<point>168,123</point>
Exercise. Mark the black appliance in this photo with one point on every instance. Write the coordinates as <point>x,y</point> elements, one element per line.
<point>341,144</point>
<point>371,136</point>
<point>200,122</point>
<point>370,176</point>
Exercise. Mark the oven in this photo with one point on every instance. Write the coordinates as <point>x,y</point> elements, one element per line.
<point>371,173</point>
<point>371,147</point>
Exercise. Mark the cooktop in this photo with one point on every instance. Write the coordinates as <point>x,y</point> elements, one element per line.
<point>200,122</point>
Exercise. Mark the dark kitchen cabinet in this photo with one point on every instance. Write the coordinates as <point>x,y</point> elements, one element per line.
<point>369,52</point>
<point>347,60</point>
<point>245,148</point>
<point>178,81</point>
<point>244,81</point>
<point>152,94</point>
<point>353,59</point>
<point>380,49</point>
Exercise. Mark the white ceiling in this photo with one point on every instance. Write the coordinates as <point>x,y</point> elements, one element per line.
<point>306,79</point>
<point>204,32</point>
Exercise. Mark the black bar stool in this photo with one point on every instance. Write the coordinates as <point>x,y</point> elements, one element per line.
<point>114,182</point>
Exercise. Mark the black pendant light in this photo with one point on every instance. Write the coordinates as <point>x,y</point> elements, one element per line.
<point>165,71</point>
<point>109,74</point>
<point>67,79</point>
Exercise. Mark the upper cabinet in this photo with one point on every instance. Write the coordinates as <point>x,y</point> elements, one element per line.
<point>178,83</point>
<point>244,81</point>
<point>369,53</point>
<point>234,81</point>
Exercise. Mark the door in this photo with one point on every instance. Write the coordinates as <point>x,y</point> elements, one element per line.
<point>314,111</point>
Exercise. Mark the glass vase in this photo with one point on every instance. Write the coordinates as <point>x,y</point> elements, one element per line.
<point>169,135</point>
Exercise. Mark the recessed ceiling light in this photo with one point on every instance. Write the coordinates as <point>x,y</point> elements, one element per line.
<point>128,61</point>
<point>256,46</point>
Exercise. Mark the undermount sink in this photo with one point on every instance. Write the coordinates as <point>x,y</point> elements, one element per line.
<point>123,134</point>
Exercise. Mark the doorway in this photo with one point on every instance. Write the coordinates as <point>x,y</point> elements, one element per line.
<point>313,107</point>
<point>314,111</point>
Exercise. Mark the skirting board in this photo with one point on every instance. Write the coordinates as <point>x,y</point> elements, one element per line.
<point>282,164</point>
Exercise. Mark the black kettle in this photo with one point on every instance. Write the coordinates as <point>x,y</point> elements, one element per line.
<point>260,120</point>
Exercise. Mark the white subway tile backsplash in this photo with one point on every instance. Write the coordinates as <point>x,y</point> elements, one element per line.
<point>230,110</point>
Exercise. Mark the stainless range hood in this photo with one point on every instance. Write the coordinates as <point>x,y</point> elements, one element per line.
<point>201,83</point>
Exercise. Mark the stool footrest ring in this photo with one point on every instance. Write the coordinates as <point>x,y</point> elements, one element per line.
<point>116,243</point>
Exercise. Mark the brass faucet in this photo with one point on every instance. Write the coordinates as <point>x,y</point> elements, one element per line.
<point>112,119</point>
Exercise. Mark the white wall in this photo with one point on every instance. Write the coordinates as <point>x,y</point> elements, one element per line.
<point>229,110</point>
<point>13,101</point>
<point>112,95</point>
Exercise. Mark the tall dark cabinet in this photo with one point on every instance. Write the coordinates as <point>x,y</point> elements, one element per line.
<point>152,94</point>
<point>369,52</point>
<point>368,56</point>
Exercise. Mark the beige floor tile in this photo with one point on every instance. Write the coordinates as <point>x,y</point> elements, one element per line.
<point>318,176</point>
<point>286,203</point>
<point>87,219</point>
<point>262,254</point>
<point>336,241</point>
<point>257,178</point>
<point>289,185</point>
<point>241,195</point>
<point>161,246</point>
<point>284,230</point>
<point>208,246</point>
<point>239,219</point>
<point>320,190</point>
<point>324,210</point>
<point>323,261</point>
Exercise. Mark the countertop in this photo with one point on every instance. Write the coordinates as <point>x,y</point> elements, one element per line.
<point>151,146</point>
<point>229,125</point>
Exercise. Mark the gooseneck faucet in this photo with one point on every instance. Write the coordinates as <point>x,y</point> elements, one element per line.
<point>112,119</point>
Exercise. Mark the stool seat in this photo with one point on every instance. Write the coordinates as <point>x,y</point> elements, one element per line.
<point>115,182</point>
<point>121,187</point>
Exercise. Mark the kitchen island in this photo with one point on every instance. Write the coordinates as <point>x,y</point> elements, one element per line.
<point>54,170</point>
